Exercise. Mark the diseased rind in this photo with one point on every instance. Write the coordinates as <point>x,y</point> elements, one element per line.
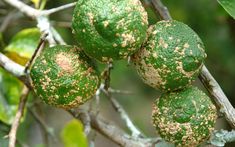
<point>171,58</point>
<point>63,76</point>
<point>185,118</point>
<point>109,29</point>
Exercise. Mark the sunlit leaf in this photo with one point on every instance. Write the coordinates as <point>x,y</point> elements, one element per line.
<point>10,90</point>
<point>73,136</point>
<point>229,6</point>
<point>23,45</point>
<point>43,4</point>
<point>39,4</point>
<point>36,3</point>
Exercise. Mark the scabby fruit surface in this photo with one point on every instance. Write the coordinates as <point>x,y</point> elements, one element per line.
<point>109,30</point>
<point>185,118</point>
<point>63,76</point>
<point>171,58</point>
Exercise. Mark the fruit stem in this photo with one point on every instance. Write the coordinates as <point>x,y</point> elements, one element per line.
<point>39,48</point>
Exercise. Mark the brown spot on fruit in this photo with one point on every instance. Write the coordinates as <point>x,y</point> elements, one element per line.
<point>64,62</point>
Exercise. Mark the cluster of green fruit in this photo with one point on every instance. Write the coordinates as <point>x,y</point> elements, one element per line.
<point>65,76</point>
<point>168,56</point>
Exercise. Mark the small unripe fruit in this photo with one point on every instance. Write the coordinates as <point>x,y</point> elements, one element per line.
<point>171,58</point>
<point>110,30</point>
<point>185,118</point>
<point>63,76</point>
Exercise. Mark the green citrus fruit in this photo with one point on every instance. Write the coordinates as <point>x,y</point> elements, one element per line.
<point>109,29</point>
<point>171,58</point>
<point>63,76</point>
<point>23,45</point>
<point>185,118</point>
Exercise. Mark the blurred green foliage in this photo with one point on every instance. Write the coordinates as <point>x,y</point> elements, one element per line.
<point>3,132</point>
<point>10,90</point>
<point>73,135</point>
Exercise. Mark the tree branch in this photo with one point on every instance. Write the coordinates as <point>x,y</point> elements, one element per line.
<point>60,8</point>
<point>161,9</point>
<point>41,16</point>
<point>115,134</point>
<point>42,123</point>
<point>105,88</point>
<point>14,68</point>
<point>6,21</point>
<point>45,27</point>
<point>134,130</point>
<point>57,36</point>
<point>84,117</point>
<point>19,114</point>
<point>34,13</point>
<point>29,11</point>
<point>220,98</point>
<point>221,137</point>
<point>39,48</point>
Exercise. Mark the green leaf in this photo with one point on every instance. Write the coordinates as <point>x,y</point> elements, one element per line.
<point>36,3</point>
<point>43,4</point>
<point>10,90</point>
<point>229,6</point>
<point>22,45</point>
<point>73,136</point>
<point>39,4</point>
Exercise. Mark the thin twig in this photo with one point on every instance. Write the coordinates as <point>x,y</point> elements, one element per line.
<point>221,137</point>
<point>34,13</point>
<point>57,36</point>
<point>40,15</point>
<point>161,9</point>
<point>134,130</point>
<point>29,11</point>
<point>63,24</point>
<point>107,74</point>
<point>39,48</point>
<point>18,116</point>
<point>84,117</point>
<point>54,10</point>
<point>44,26</point>
<point>117,91</point>
<point>39,117</point>
<point>220,98</point>
<point>115,134</point>
<point>42,123</point>
<point>14,68</point>
<point>10,66</point>
<point>6,21</point>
